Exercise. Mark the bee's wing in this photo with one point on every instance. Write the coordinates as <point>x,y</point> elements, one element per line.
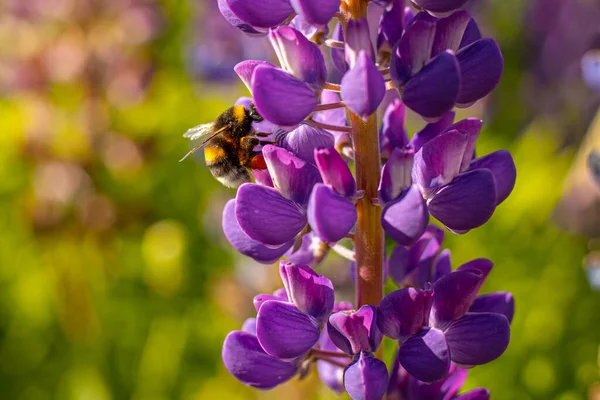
<point>199,131</point>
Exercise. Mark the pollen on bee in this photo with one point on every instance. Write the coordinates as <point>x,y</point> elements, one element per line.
<point>239,113</point>
<point>213,154</point>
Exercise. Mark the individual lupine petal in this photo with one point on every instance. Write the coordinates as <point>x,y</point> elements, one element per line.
<point>391,26</point>
<point>259,299</point>
<point>405,218</point>
<point>425,355</point>
<point>316,11</point>
<point>440,6</point>
<point>314,32</point>
<point>392,125</point>
<point>303,140</point>
<point>470,127</point>
<point>434,90</point>
<point>330,215</point>
<point>283,331</point>
<point>358,39</point>
<point>270,13</point>
<point>399,264</point>
<point>420,262</point>
<point>482,265</point>
<point>408,15</point>
<point>481,65</point>
<point>443,266</point>
<point>401,313</point>
<point>262,177</point>
<point>498,302</point>
<point>245,70</point>
<point>399,380</point>
<point>452,384</point>
<point>355,331</point>
<point>503,167</point>
<point>311,251</point>
<point>366,378</point>
<point>280,98</point>
<point>293,177</point>
<point>478,338</point>
<point>431,130</point>
<point>266,216</point>
<point>338,55</point>
<point>310,292</point>
<point>330,374</point>
<point>475,394</point>
<point>453,294</point>
<point>412,51</point>
<point>449,32</point>
<point>235,21</point>
<point>335,172</point>
<point>299,56</point>
<point>249,326</point>
<point>242,243</point>
<point>471,35</point>
<point>245,359</point>
<point>466,203</point>
<point>363,87</point>
<point>396,174</point>
<point>438,161</point>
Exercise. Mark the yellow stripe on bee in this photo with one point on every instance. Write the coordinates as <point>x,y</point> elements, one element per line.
<point>212,154</point>
<point>239,113</point>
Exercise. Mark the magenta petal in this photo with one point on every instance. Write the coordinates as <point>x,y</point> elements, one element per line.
<point>498,302</point>
<point>438,162</point>
<point>478,338</point>
<point>303,141</point>
<point>283,331</point>
<point>293,177</point>
<point>270,13</point>
<point>330,215</point>
<point>431,130</point>
<point>425,356</point>
<point>401,313</point>
<point>481,65</point>
<point>440,6</point>
<point>366,378</point>
<point>245,70</point>
<point>358,329</point>
<point>259,299</point>
<point>475,394</point>
<point>280,98</point>
<point>335,171</point>
<point>406,218</point>
<point>299,56</point>
<point>242,243</point>
<point>392,125</point>
<point>266,216</point>
<point>434,90</point>
<point>249,326</point>
<point>363,87</point>
<point>235,21</point>
<point>245,359</point>
<point>396,174</point>
<point>453,294</point>
<point>468,202</point>
<point>503,167</point>
<point>449,32</point>
<point>310,292</point>
<point>412,51</point>
<point>317,12</point>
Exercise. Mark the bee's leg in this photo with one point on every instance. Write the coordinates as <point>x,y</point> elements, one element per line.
<point>262,134</point>
<point>247,145</point>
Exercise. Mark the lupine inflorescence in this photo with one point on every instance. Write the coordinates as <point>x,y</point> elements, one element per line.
<point>434,58</point>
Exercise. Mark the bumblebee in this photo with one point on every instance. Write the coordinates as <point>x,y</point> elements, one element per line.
<point>229,149</point>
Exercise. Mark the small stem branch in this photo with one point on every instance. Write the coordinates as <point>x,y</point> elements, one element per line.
<point>336,363</point>
<point>369,241</point>
<point>344,252</point>
<point>334,87</point>
<point>335,43</point>
<point>332,127</point>
<point>329,106</point>
<point>328,354</point>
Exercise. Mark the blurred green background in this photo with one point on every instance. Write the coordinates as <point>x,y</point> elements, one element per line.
<point>115,279</point>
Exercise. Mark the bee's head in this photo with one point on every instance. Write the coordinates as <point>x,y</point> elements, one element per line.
<point>254,114</point>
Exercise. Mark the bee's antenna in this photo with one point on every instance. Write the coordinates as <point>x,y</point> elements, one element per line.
<point>192,151</point>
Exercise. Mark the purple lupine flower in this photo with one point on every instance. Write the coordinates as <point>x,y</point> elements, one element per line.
<point>403,386</point>
<point>440,63</point>
<point>436,326</point>
<point>357,334</point>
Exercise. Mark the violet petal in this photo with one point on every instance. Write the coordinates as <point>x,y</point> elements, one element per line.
<point>440,6</point>
<point>363,87</point>
<point>366,378</point>
<point>431,130</point>
<point>481,65</point>
<point>235,21</point>
<point>330,215</point>
<point>498,302</point>
<point>266,216</point>
<point>303,140</point>
<point>391,25</point>
<point>503,167</point>
<point>401,313</point>
<point>357,328</point>
<point>316,11</point>
<point>392,125</point>
<point>453,294</point>
<point>358,39</point>
<point>245,359</point>
<point>338,55</point>
<point>405,218</point>
<point>449,32</point>
<point>335,171</point>
<point>245,70</point>
<point>396,174</point>
<point>471,128</point>
<point>478,338</point>
<point>283,331</point>
<point>412,51</point>
<point>425,355</point>
<point>270,13</point>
